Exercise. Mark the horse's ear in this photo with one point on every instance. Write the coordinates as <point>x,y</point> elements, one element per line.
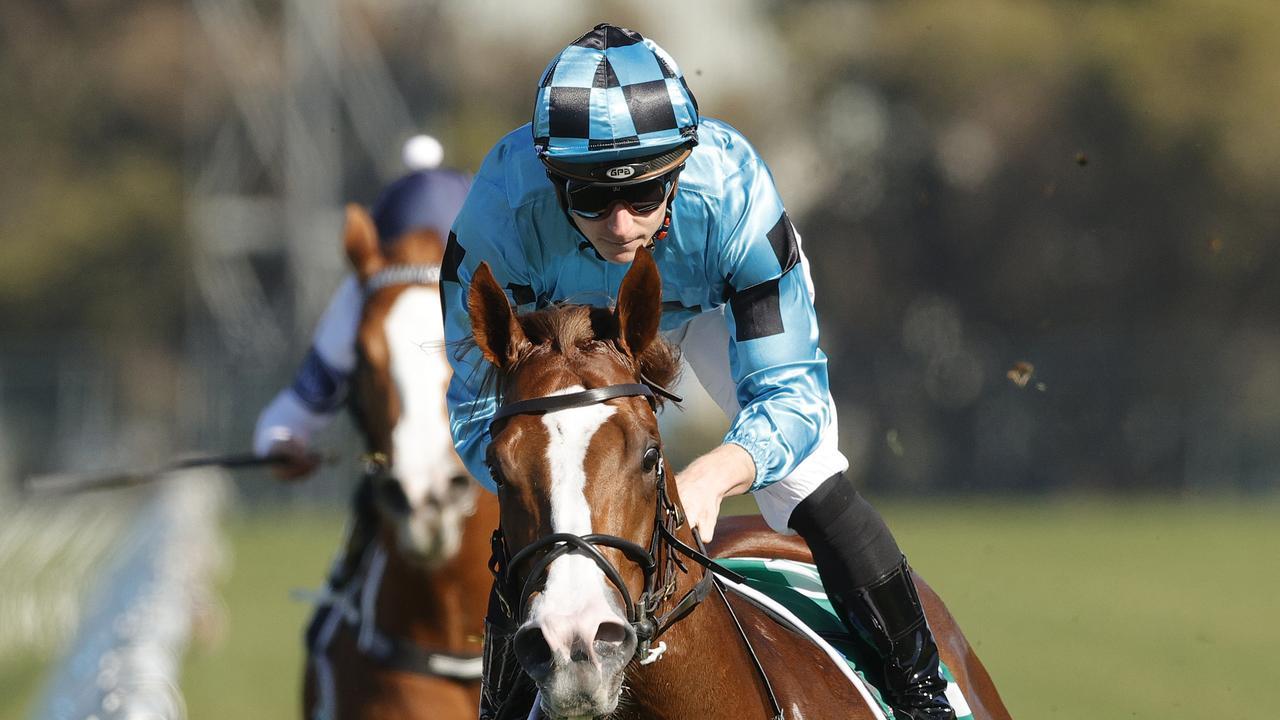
<point>493,323</point>
<point>361,241</point>
<point>639,304</point>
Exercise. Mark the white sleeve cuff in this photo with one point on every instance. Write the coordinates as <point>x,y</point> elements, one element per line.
<point>286,418</point>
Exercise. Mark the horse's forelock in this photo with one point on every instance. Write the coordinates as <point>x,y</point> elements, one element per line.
<point>565,329</point>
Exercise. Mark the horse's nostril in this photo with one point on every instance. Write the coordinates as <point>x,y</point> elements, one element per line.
<point>611,632</point>
<point>532,648</point>
<point>391,493</point>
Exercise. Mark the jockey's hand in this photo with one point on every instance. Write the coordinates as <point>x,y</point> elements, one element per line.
<point>298,463</point>
<point>727,470</point>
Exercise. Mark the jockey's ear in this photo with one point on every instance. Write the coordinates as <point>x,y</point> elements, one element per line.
<point>639,304</point>
<point>361,241</point>
<point>493,323</point>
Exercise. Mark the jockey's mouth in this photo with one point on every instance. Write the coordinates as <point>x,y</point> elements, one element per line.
<point>623,241</point>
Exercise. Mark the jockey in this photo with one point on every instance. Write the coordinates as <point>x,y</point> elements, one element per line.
<point>426,198</point>
<point>616,159</point>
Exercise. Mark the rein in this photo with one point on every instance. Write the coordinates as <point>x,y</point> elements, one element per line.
<point>642,614</point>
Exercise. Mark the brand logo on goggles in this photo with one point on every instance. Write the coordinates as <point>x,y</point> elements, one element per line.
<point>621,172</point>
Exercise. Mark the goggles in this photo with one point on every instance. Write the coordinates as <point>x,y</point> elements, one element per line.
<point>592,200</point>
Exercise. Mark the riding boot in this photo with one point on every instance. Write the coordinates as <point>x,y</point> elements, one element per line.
<point>891,617</point>
<point>506,692</point>
<point>869,583</point>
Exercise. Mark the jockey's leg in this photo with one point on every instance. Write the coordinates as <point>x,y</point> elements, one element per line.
<point>869,582</point>
<point>506,693</point>
<point>859,561</point>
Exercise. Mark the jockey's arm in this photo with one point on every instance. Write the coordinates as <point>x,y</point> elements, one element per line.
<point>483,232</point>
<point>781,382</point>
<point>319,388</point>
<point>778,370</point>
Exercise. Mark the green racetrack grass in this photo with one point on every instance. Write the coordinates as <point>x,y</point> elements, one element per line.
<point>255,670</point>
<point>1088,609</point>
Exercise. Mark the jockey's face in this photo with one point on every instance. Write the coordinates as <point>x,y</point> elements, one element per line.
<point>620,231</point>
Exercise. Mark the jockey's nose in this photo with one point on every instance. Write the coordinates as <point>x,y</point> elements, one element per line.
<point>620,219</point>
<point>570,639</point>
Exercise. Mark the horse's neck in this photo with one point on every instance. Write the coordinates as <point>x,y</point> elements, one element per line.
<point>705,661</point>
<point>437,608</point>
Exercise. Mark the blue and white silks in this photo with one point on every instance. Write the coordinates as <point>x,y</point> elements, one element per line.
<point>730,249</point>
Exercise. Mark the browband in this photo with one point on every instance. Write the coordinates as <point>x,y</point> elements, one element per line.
<point>551,403</point>
<point>402,275</point>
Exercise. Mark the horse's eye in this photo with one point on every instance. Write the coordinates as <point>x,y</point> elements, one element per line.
<point>651,457</point>
<point>493,471</point>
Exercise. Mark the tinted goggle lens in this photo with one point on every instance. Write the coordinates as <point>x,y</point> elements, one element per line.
<point>592,200</point>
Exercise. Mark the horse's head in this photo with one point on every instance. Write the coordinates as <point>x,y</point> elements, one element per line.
<point>422,491</point>
<point>592,467</point>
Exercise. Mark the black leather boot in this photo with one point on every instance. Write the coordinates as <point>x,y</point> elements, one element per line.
<point>889,615</point>
<point>869,582</point>
<point>506,692</point>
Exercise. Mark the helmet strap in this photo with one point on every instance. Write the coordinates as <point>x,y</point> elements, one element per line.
<point>665,227</point>
<point>661,233</point>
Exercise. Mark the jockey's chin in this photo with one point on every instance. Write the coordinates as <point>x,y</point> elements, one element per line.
<point>620,254</point>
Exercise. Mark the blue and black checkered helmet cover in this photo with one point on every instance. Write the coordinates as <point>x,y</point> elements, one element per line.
<point>612,94</point>
<point>421,200</point>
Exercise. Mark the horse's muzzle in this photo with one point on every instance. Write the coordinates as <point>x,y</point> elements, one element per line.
<point>578,667</point>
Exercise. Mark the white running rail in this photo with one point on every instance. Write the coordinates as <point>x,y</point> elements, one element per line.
<point>126,658</point>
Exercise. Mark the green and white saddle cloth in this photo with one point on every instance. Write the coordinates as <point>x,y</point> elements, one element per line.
<point>793,591</point>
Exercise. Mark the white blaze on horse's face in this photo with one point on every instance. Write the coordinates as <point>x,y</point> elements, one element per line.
<point>577,598</point>
<point>439,493</point>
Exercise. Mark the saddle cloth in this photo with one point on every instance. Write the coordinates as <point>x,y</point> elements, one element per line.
<point>796,588</point>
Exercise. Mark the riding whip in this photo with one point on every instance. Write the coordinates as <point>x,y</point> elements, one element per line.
<point>60,483</point>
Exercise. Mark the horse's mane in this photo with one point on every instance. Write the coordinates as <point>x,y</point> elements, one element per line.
<point>577,332</point>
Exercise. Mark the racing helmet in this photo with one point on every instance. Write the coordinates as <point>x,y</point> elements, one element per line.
<point>613,108</point>
<point>426,198</point>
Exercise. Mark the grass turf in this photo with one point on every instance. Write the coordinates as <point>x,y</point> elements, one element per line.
<point>255,669</point>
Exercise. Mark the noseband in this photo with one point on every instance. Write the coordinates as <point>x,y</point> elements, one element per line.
<point>642,614</point>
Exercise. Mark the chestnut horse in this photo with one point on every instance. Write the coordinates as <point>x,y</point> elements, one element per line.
<point>618,614</point>
<point>403,638</point>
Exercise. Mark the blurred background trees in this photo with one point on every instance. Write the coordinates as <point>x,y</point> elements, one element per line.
<point>1077,193</point>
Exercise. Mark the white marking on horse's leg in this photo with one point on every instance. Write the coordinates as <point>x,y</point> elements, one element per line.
<point>575,600</point>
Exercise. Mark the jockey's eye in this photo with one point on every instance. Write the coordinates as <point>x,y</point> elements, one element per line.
<point>651,457</point>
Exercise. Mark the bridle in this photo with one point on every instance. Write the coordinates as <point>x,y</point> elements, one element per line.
<point>401,275</point>
<point>659,578</point>
<point>393,653</point>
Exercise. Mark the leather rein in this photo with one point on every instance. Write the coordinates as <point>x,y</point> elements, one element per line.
<point>659,578</point>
